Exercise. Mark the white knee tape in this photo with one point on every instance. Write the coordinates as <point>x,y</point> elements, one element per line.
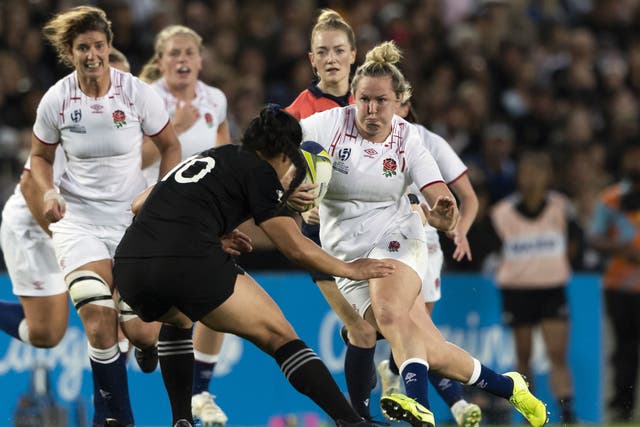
<point>126,313</point>
<point>87,287</point>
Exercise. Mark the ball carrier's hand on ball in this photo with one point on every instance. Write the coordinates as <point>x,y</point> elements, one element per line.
<point>303,197</point>
<point>444,215</point>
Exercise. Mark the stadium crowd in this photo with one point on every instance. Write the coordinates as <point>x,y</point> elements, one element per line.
<point>495,78</point>
<point>492,77</point>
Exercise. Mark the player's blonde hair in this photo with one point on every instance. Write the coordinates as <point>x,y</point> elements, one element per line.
<point>380,62</point>
<point>117,56</point>
<point>63,28</point>
<point>151,72</point>
<point>328,20</point>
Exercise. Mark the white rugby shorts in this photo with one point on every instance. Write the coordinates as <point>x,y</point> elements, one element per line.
<point>77,244</point>
<point>31,262</point>
<point>412,252</point>
<point>431,283</point>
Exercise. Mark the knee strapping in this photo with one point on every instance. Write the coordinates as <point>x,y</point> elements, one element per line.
<point>125,312</point>
<point>87,287</point>
<point>104,356</point>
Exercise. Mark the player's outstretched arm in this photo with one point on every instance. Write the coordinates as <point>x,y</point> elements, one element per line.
<point>286,235</point>
<point>42,158</point>
<point>444,212</point>
<point>34,199</point>
<point>468,210</point>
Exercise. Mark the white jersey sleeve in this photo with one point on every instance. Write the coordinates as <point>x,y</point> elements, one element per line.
<point>46,127</point>
<point>317,126</point>
<point>450,165</point>
<point>422,167</point>
<point>154,117</point>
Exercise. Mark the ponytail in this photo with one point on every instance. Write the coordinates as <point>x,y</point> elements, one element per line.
<point>275,132</point>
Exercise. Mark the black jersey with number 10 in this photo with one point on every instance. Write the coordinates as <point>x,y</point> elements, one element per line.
<point>201,199</point>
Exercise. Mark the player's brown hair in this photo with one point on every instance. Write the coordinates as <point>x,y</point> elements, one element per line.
<point>63,28</point>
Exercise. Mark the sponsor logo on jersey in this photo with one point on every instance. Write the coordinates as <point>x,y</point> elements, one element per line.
<point>119,118</point>
<point>344,154</point>
<point>279,194</point>
<point>208,118</point>
<point>76,116</point>
<point>370,153</point>
<point>77,129</point>
<point>96,108</point>
<point>38,284</point>
<point>394,246</point>
<point>389,167</point>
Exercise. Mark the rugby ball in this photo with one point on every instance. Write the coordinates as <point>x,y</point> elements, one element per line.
<point>318,171</point>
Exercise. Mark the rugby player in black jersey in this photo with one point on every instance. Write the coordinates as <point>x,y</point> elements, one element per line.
<point>172,266</point>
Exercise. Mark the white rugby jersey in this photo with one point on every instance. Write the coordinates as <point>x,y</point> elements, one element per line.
<point>450,165</point>
<point>212,104</point>
<point>16,213</point>
<point>101,139</point>
<point>366,195</point>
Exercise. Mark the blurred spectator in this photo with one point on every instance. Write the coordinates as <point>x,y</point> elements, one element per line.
<point>495,160</point>
<point>615,231</point>
<point>564,76</point>
<point>535,228</point>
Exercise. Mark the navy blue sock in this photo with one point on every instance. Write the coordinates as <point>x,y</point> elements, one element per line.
<point>99,404</point>
<point>415,375</point>
<point>491,381</point>
<point>358,368</point>
<point>202,374</point>
<point>392,365</point>
<point>449,390</point>
<point>110,378</point>
<point>11,314</point>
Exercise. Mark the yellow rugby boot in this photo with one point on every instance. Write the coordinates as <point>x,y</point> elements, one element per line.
<point>399,407</point>
<point>526,403</point>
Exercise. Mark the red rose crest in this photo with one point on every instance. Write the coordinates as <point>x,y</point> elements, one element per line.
<point>208,118</point>
<point>389,167</point>
<point>394,245</point>
<point>119,118</point>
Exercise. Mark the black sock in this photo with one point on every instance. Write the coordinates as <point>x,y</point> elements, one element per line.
<point>175,351</point>
<point>358,366</point>
<point>567,416</point>
<point>309,375</point>
<point>392,365</point>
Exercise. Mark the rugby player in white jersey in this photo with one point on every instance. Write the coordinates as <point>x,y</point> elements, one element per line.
<point>98,115</point>
<point>365,213</point>
<point>199,115</point>
<point>41,316</point>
